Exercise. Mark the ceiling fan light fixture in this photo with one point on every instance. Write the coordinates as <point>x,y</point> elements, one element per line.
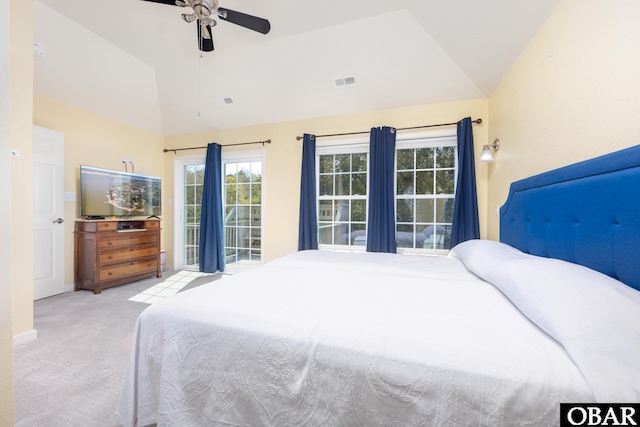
<point>189,17</point>
<point>205,32</point>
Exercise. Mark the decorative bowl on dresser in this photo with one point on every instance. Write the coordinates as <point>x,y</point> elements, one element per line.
<point>110,253</point>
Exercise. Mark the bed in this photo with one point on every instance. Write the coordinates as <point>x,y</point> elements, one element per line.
<point>495,333</point>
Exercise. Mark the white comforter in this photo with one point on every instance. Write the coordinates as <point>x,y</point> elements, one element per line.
<point>339,339</point>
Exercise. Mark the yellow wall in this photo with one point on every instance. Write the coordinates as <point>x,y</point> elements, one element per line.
<point>21,167</point>
<point>282,173</point>
<point>573,94</point>
<point>6,321</point>
<point>16,268</point>
<point>93,140</point>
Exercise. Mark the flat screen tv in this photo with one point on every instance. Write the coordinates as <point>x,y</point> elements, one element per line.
<point>105,193</point>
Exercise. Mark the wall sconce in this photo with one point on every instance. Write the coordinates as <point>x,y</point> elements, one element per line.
<point>487,155</point>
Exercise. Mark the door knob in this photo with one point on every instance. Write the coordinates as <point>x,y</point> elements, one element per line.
<point>58,221</point>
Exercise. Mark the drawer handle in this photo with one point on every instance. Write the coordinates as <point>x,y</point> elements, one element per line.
<point>110,257</point>
<point>109,243</point>
<point>110,273</point>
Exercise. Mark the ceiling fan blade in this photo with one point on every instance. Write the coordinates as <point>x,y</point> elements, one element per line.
<point>204,44</point>
<point>248,21</point>
<point>171,2</point>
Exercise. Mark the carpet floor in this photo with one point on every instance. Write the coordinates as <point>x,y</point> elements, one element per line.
<point>71,375</point>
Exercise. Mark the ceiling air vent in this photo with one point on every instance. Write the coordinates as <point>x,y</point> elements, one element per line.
<point>344,81</point>
<point>224,100</point>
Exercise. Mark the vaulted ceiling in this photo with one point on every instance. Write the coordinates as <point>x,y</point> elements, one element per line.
<point>137,61</point>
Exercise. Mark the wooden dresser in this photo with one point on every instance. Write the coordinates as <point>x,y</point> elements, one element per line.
<point>110,253</point>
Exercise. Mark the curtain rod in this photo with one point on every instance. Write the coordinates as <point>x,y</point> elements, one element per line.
<point>477,121</point>
<point>175,150</point>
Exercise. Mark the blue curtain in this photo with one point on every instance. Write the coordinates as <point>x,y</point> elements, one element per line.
<point>308,226</point>
<point>381,225</point>
<point>466,225</point>
<point>211,220</point>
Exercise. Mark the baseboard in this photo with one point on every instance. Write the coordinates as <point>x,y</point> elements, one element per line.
<point>25,337</point>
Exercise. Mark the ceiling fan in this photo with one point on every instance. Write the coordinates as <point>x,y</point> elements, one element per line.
<point>203,10</point>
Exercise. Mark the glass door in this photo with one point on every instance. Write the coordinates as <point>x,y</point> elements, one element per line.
<point>188,181</point>
<point>193,182</point>
<point>243,201</point>
<point>243,213</point>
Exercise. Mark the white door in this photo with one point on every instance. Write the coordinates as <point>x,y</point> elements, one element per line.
<point>48,213</point>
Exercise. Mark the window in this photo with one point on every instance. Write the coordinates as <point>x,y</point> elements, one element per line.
<point>342,198</point>
<point>243,211</point>
<point>425,192</point>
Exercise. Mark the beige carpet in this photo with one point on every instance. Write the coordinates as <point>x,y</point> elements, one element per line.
<point>72,374</point>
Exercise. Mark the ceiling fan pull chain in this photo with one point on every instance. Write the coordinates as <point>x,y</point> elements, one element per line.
<point>199,80</point>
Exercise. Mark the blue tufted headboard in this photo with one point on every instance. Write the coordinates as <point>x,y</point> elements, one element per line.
<point>587,213</point>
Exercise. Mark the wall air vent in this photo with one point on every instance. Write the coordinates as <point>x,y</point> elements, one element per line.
<point>344,81</point>
<point>224,100</point>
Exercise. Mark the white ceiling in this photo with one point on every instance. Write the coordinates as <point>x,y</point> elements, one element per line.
<point>137,61</point>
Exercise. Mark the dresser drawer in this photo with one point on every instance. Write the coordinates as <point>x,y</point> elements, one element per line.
<point>128,269</point>
<point>95,226</point>
<point>127,239</point>
<point>107,226</point>
<point>128,254</point>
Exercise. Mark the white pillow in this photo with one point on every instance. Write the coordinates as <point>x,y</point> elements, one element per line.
<point>595,317</point>
<point>482,256</point>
